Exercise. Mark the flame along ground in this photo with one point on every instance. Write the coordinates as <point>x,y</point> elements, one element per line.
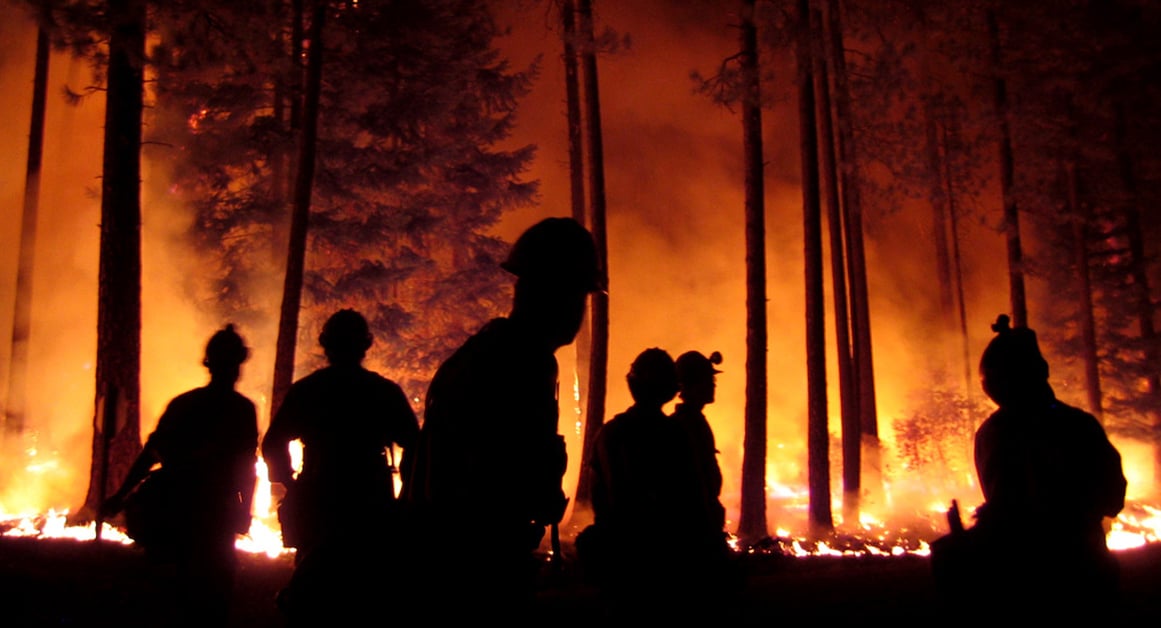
<point>1137,525</point>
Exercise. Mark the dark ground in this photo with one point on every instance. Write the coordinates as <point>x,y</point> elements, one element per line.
<point>62,583</point>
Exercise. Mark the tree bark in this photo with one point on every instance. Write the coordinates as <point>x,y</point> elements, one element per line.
<point>119,273</point>
<point>300,219</point>
<point>752,524</point>
<point>851,432</point>
<point>957,265</point>
<point>1007,181</point>
<point>14,416</point>
<point>818,436</point>
<point>599,302</point>
<point>576,171</point>
<point>864,367</point>
<point>1144,299</point>
<point>1079,218</point>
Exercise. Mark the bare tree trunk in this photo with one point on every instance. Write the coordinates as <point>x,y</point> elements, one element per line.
<point>1144,298</point>
<point>119,274</point>
<point>864,364</point>
<point>300,219</point>
<point>14,416</point>
<point>939,201</point>
<point>818,436</point>
<point>957,262</point>
<point>1007,166</point>
<point>576,170</point>
<point>851,432</point>
<point>599,303</point>
<point>752,524</point>
<point>1079,218</point>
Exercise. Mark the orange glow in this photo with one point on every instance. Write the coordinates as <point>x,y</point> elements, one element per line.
<point>676,264</point>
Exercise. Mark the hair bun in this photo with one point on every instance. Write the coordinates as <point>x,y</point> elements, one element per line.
<point>1002,324</point>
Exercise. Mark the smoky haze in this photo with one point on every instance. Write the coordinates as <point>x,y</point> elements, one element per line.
<point>673,166</point>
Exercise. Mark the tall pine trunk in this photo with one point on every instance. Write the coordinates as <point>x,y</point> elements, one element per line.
<point>945,134</point>
<point>117,423</point>
<point>864,366</point>
<point>1007,179</point>
<point>851,432</point>
<point>599,303</point>
<point>818,436</point>
<point>296,248</point>
<point>943,265</point>
<point>14,417</point>
<point>1079,218</point>
<point>1142,293</point>
<point>752,524</point>
<point>576,171</point>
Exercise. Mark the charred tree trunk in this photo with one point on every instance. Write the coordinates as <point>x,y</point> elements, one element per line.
<point>14,416</point>
<point>599,304</point>
<point>818,436</point>
<point>300,219</point>
<point>576,171</point>
<point>864,367</point>
<point>119,273</point>
<point>1079,218</point>
<point>1007,184</point>
<point>752,524</point>
<point>1144,299</point>
<point>939,201</point>
<point>851,432</point>
<point>956,260</point>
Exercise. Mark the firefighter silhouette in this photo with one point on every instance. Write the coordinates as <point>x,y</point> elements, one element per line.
<point>341,511</point>
<point>490,460</point>
<point>1049,477</point>
<point>189,509</point>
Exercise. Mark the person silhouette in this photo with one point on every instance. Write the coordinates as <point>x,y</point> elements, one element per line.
<point>341,511</point>
<point>1049,477</point>
<point>647,503</point>
<point>490,459</point>
<point>205,444</point>
<point>696,385</point>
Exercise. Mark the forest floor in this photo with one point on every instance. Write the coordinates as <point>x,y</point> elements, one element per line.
<point>65,583</point>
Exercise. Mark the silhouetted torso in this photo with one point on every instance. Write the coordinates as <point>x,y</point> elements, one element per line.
<point>705,457</point>
<point>346,416</point>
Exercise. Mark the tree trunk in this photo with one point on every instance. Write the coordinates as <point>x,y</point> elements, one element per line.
<point>818,436</point>
<point>1079,218</point>
<point>119,273</point>
<point>851,432</point>
<point>576,170</point>
<point>939,199</point>
<point>752,524</point>
<point>1144,299</point>
<point>957,265</point>
<point>296,249</point>
<point>599,303</point>
<point>864,368</point>
<point>1011,212</point>
<point>14,417</point>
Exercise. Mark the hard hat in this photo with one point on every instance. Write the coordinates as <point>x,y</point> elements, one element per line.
<point>692,365</point>
<point>225,348</point>
<point>558,250</point>
<point>1013,355</point>
<point>653,374</point>
<point>346,330</point>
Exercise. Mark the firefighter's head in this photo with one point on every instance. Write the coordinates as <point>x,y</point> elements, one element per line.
<point>556,267</point>
<point>345,337</point>
<point>225,353</point>
<point>653,378</point>
<point>695,376</point>
<point>1011,367</point>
